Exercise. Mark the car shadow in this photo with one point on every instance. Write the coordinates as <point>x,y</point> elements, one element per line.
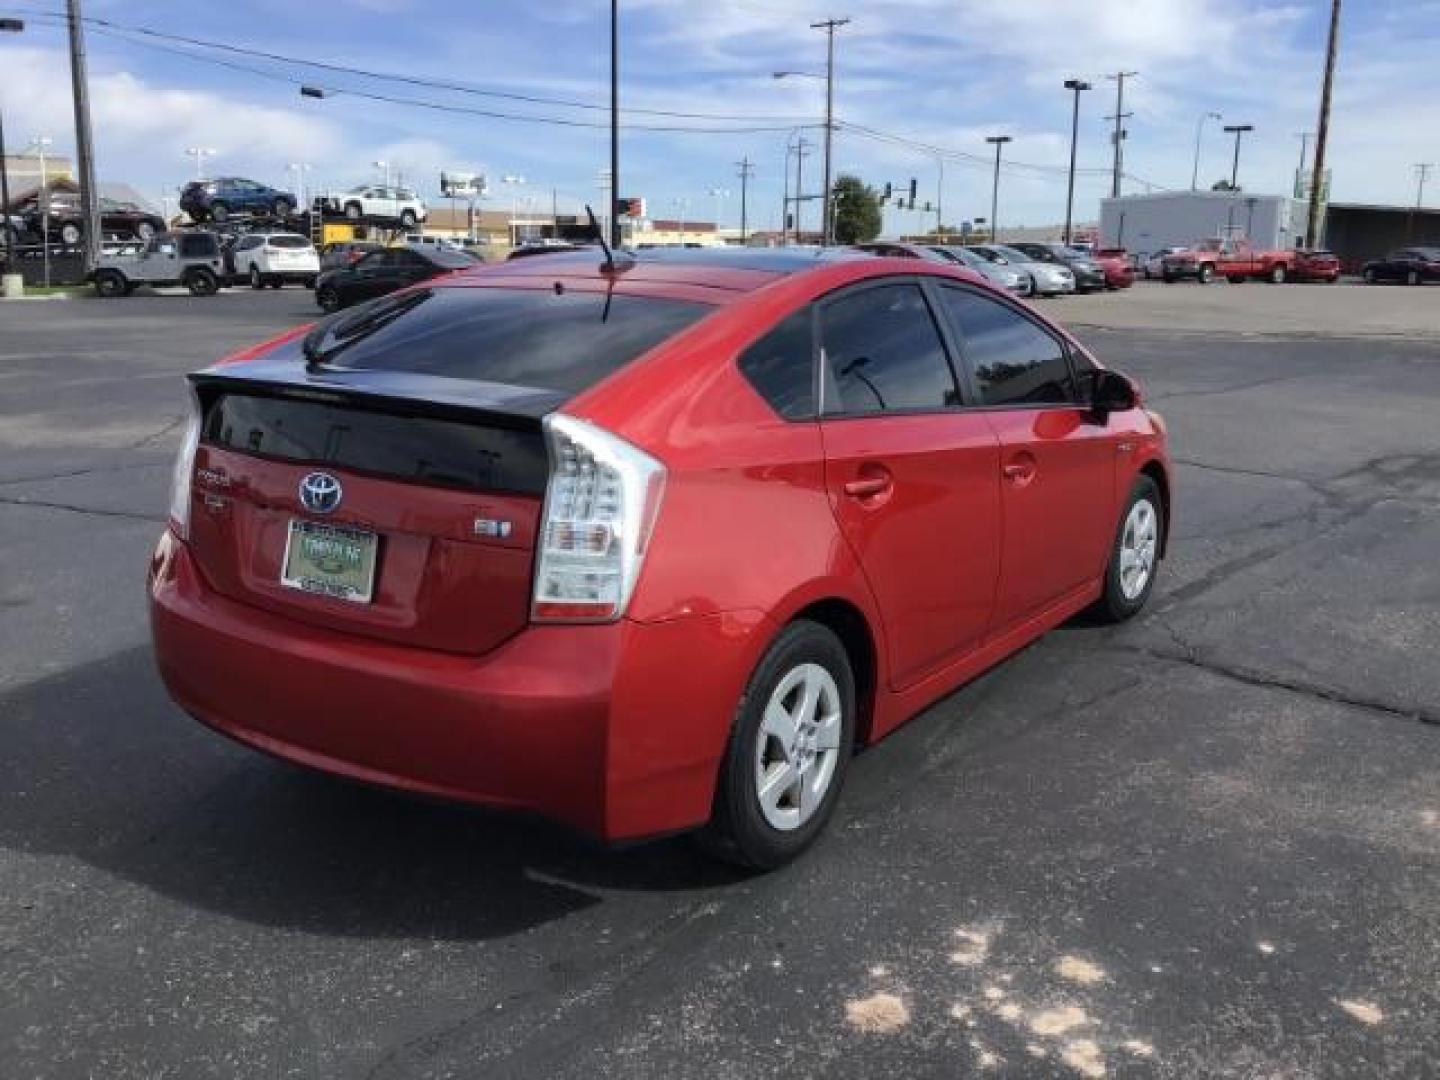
<point>100,767</point>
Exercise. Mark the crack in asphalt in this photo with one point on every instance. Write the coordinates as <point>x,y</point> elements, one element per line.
<point>91,471</point>
<point>45,505</point>
<point>1236,388</point>
<point>1263,680</point>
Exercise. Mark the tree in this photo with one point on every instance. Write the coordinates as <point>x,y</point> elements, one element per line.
<point>1224,185</point>
<point>857,211</point>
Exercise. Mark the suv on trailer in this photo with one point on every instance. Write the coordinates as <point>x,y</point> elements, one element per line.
<point>190,259</point>
<point>217,200</point>
<point>381,201</point>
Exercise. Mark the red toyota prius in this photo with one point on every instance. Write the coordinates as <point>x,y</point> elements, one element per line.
<point>644,546</point>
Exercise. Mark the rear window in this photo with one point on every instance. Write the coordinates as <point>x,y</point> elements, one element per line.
<point>288,242</point>
<point>564,341</point>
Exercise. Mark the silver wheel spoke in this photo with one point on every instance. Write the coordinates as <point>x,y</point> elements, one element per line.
<point>779,780</point>
<point>827,734</point>
<point>779,724</point>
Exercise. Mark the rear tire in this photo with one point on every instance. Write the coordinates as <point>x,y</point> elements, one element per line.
<point>1278,274</point>
<point>1135,554</point>
<point>354,211</point>
<point>802,752</point>
<point>201,283</point>
<point>256,281</point>
<point>1205,273</point>
<point>110,284</point>
<point>219,212</point>
<point>408,220</point>
<point>328,298</point>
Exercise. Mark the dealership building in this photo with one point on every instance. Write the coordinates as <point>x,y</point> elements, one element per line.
<point>1356,232</point>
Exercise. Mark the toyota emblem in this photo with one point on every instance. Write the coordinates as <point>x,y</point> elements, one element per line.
<point>320,493</point>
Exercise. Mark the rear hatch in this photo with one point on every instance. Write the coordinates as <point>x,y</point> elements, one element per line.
<point>385,476</point>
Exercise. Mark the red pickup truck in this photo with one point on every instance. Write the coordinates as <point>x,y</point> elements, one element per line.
<point>1235,260</point>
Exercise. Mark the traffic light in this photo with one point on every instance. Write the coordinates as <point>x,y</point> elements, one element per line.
<point>913,186</point>
<point>889,192</point>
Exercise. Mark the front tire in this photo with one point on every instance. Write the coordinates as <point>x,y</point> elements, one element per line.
<point>1135,554</point>
<point>1412,278</point>
<point>1369,276</point>
<point>1278,274</point>
<point>1205,273</point>
<point>328,298</point>
<point>788,753</point>
<point>256,281</point>
<point>219,212</point>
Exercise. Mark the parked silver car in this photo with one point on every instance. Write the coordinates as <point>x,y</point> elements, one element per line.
<point>1047,279</point>
<point>1003,274</point>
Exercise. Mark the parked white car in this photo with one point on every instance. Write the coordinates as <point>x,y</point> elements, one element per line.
<point>434,241</point>
<point>275,258</point>
<point>379,201</point>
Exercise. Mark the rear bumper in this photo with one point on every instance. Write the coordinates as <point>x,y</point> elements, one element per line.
<point>613,730</point>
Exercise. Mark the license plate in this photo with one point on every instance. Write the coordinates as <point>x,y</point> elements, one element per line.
<point>330,560</point>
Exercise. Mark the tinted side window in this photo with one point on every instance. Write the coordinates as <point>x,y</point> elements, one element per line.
<point>1015,362</point>
<point>884,352</point>
<point>781,367</point>
<point>197,246</point>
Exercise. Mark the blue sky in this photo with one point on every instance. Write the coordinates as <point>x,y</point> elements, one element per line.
<point>944,72</point>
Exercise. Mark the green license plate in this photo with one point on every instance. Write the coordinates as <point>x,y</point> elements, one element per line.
<point>332,560</point>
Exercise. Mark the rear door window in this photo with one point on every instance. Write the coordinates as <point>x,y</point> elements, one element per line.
<point>884,353</point>
<point>201,245</point>
<point>565,341</point>
<point>1013,360</point>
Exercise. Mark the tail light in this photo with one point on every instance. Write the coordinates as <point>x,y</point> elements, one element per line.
<point>184,468</point>
<point>600,509</point>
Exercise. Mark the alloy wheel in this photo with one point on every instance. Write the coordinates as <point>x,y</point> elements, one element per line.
<point>1137,549</point>
<point>798,747</point>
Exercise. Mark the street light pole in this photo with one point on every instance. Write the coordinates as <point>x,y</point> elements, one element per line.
<point>1075,85</point>
<point>39,144</point>
<point>7,26</point>
<point>1237,130</point>
<point>1199,130</point>
<point>998,141</point>
<point>199,153</point>
<point>829,26</point>
<point>614,121</point>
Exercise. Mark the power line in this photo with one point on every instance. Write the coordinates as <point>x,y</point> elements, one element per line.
<point>419,103</point>
<point>411,80</point>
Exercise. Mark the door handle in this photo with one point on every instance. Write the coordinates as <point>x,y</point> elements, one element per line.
<point>1020,470</point>
<point>868,487</point>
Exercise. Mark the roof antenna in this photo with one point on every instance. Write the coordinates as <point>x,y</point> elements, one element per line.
<point>610,266</point>
<point>600,236</point>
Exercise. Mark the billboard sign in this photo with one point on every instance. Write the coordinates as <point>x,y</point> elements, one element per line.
<point>463,185</point>
<point>634,208</point>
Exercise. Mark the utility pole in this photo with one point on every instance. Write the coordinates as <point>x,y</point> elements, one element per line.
<point>800,155</point>
<point>1119,136</point>
<point>1422,171</point>
<point>1322,133</point>
<point>939,199</point>
<point>84,139</point>
<point>998,141</point>
<point>1199,130</point>
<point>8,26</point>
<point>747,170</point>
<point>829,26</point>
<point>614,121</point>
<point>1075,85</point>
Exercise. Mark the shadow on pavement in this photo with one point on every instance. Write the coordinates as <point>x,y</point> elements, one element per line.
<point>100,767</point>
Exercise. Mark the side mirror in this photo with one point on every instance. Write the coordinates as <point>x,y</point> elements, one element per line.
<point>1111,392</point>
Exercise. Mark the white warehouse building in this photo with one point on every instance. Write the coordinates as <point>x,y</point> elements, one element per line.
<point>1146,223</point>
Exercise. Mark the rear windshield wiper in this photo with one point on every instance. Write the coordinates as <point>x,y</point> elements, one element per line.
<point>354,326</point>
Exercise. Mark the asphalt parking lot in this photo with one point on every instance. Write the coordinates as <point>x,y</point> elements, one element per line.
<point>1205,844</point>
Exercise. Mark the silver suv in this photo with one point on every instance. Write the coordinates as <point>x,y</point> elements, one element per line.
<point>192,259</point>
